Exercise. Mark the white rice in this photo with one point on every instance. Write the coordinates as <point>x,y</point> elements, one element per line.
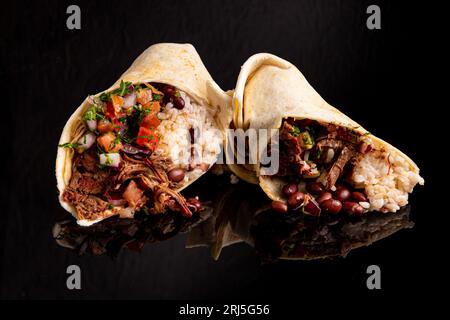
<point>175,138</point>
<point>387,179</point>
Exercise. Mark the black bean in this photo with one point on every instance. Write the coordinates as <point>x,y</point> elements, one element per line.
<point>359,196</point>
<point>176,175</point>
<point>178,102</point>
<point>296,199</point>
<point>279,206</point>
<point>168,90</point>
<point>289,189</point>
<point>342,194</point>
<point>353,208</point>
<point>315,188</point>
<point>324,196</point>
<point>332,206</point>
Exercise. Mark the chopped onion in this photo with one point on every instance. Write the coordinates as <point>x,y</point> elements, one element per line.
<point>128,148</point>
<point>87,140</point>
<point>129,100</point>
<point>92,124</point>
<point>91,99</point>
<point>311,207</point>
<point>330,155</point>
<point>306,156</point>
<point>110,159</point>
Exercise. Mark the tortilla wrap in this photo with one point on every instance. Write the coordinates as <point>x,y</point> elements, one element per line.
<point>178,65</point>
<point>270,89</point>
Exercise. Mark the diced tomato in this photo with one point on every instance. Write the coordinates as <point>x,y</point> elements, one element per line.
<point>106,141</point>
<point>110,112</point>
<point>104,126</point>
<point>144,96</point>
<point>117,102</point>
<point>147,138</point>
<point>150,122</point>
<point>154,108</point>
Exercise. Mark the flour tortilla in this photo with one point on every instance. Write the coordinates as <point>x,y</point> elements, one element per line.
<point>175,64</point>
<point>270,89</point>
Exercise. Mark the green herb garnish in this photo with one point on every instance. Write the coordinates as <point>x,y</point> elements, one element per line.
<point>150,137</point>
<point>319,153</point>
<point>91,114</point>
<point>307,140</point>
<point>295,131</point>
<point>69,145</point>
<point>177,94</point>
<point>94,113</point>
<point>123,89</point>
<point>110,206</point>
<point>108,160</point>
<point>156,97</point>
<point>105,96</point>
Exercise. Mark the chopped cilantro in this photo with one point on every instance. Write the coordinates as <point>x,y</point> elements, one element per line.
<point>105,96</point>
<point>123,89</point>
<point>94,113</point>
<point>319,153</point>
<point>150,137</point>
<point>69,145</point>
<point>91,114</point>
<point>156,97</point>
<point>296,131</point>
<point>110,206</point>
<point>108,160</point>
<point>177,94</point>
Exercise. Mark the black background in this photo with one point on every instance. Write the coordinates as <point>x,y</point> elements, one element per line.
<point>380,78</point>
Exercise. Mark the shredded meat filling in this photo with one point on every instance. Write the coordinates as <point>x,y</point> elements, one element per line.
<point>333,149</point>
<point>337,168</point>
<point>145,180</point>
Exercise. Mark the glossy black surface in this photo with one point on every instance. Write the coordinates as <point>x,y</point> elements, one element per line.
<point>230,217</point>
<point>373,76</point>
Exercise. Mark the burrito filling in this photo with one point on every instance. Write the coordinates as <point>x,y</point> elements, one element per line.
<point>334,169</point>
<point>137,146</point>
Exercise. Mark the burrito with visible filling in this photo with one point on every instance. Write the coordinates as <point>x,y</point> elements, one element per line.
<point>327,161</point>
<point>135,146</point>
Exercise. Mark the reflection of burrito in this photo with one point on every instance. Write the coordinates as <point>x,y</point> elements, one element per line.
<point>293,237</point>
<point>239,215</point>
<point>324,156</point>
<point>136,145</point>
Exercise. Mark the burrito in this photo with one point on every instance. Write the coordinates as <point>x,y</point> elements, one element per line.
<point>135,146</point>
<point>325,161</point>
